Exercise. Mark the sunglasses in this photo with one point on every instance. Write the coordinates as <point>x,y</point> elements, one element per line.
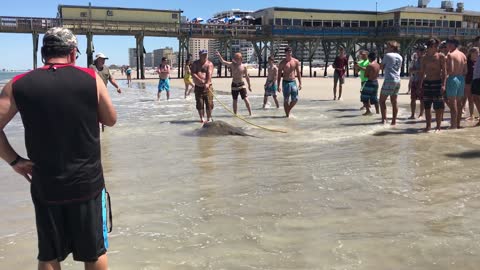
<point>78,53</point>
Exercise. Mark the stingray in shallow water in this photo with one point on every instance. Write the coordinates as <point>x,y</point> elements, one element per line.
<point>219,128</point>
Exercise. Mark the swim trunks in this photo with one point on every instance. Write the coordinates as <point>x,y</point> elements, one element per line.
<point>338,77</point>
<point>370,92</point>
<point>290,90</point>
<point>455,86</point>
<point>390,87</point>
<point>164,85</point>
<point>239,88</point>
<point>203,97</point>
<point>416,93</point>
<point>271,89</point>
<point>432,94</point>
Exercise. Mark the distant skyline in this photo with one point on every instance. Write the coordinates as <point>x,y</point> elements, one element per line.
<point>16,49</point>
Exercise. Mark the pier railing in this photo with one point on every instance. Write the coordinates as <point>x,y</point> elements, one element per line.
<point>236,31</point>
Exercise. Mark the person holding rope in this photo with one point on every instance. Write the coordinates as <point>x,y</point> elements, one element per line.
<point>61,105</point>
<point>238,85</point>
<point>202,71</point>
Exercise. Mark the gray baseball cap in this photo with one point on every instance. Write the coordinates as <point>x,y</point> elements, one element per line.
<point>60,37</point>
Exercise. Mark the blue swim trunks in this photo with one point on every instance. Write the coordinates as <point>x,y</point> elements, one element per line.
<point>390,87</point>
<point>164,85</point>
<point>456,86</point>
<point>271,88</point>
<point>290,90</point>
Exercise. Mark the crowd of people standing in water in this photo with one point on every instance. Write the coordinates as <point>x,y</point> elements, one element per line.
<point>441,73</point>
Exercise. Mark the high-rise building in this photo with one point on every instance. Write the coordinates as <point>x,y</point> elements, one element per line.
<point>132,57</point>
<point>149,60</point>
<point>164,52</point>
<point>197,44</point>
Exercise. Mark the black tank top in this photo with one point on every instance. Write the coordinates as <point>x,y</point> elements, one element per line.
<point>59,109</point>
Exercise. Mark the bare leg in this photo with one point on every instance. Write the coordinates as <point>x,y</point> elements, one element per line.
<point>438,118</point>
<point>476,101</point>
<point>376,108</point>
<point>393,100</point>
<point>413,104</point>
<point>452,104</point>
<point>51,265</point>
<point>100,264</point>
<point>383,108</point>
<point>247,103</point>
<point>201,113</point>
<point>460,104</point>
<point>367,107</point>
<point>186,89</point>
<point>422,109</point>
<point>265,98</point>
<point>234,106</point>
<point>334,89</point>
<point>340,88</point>
<point>168,95</point>
<point>428,120</point>
<point>158,95</point>
<point>286,108</point>
<point>290,107</point>
<point>276,101</point>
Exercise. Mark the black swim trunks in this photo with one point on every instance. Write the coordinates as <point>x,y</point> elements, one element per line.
<point>79,228</point>
<point>239,89</point>
<point>432,94</point>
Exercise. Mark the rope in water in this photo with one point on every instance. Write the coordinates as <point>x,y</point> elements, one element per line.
<point>245,120</point>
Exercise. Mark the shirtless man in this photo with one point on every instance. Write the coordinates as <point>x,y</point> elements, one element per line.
<point>432,80</point>
<point>164,74</point>
<point>288,69</point>
<point>370,88</point>
<point>271,85</point>
<point>456,70</point>
<point>392,62</point>
<point>415,92</point>
<point>202,71</point>
<point>238,85</point>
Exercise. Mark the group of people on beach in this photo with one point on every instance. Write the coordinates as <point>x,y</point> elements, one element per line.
<point>198,75</point>
<point>441,73</point>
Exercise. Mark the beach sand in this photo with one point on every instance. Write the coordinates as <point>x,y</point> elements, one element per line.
<point>313,88</point>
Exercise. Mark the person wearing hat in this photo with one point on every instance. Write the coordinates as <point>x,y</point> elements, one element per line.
<point>61,105</point>
<point>103,71</point>
<point>456,71</point>
<point>202,71</point>
<point>416,92</point>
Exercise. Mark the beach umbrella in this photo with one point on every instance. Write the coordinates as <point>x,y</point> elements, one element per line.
<point>198,19</point>
<point>248,18</point>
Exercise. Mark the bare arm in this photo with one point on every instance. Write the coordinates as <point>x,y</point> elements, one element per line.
<point>114,83</point>
<point>299,75</point>
<point>106,112</point>
<point>444,72</point>
<point>226,63</point>
<point>280,74</point>
<point>421,74</point>
<point>8,109</point>
<point>245,72</point>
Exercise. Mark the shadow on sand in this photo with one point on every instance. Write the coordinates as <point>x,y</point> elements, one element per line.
<point>344,110</point>
<point>398,132</point>
<point>181,122</point>
<point>359,124</point>
<point>465,155</point>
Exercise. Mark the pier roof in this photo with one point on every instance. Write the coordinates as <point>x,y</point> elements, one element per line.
<point>434,11</point>
<point>120,8</point>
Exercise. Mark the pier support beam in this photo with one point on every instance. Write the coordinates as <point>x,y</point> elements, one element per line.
<point>183,48</point>
<point>35,48</point>
<point>140,56</point>
<point>90,49</point>
<point>327,49</point>
<point>258,47</point>
<point>405,47</point>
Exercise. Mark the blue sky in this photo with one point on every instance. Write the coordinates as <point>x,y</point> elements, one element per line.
<point>16,49</point>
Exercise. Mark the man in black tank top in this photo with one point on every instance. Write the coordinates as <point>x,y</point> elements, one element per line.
<point>61,105</point>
